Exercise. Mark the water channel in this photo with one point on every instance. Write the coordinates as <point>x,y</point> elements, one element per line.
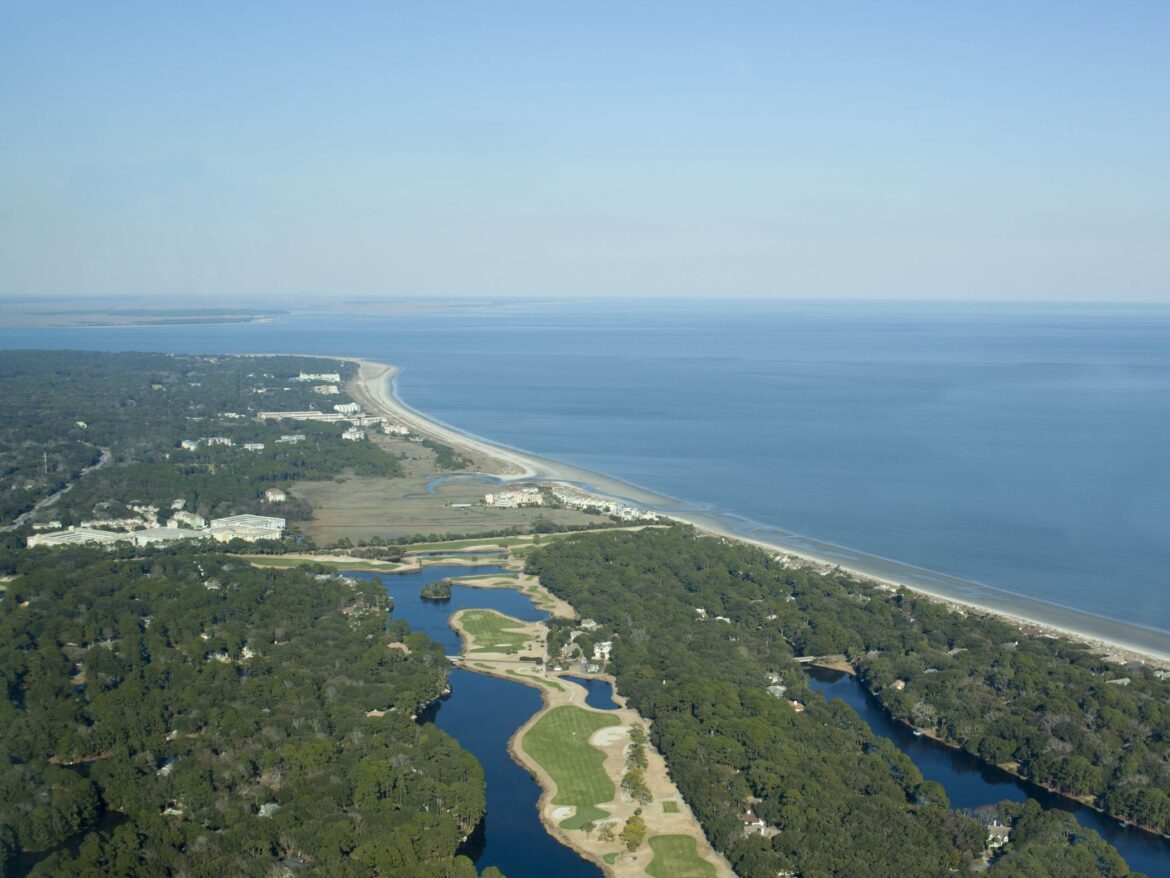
<point>970,783</point>
<point>482,713</point>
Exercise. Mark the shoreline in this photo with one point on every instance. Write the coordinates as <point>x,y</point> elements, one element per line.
<point>375,386</point>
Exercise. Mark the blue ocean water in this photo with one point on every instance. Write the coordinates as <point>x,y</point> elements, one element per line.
<point>1021,446</point>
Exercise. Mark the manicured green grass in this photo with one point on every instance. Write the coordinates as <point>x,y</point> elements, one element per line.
<point>670,807</point>
<point>610,858</point>
<point>493,632</point>
<point>560,743</point>
<point>551,684</point>
<point>479,576</point>
<point>676,856</point>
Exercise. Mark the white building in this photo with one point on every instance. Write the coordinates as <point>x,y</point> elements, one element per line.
<point>265,522</point>
<point>74,536</point>
<point>307,415</point>
<point>291,439</point>
<point>189,444</point>
<point>275,495</point>
<point>220,440</point>
<point>332,377</point>
<point>347,408</point>
<point>253,446</point>
<point>326,389</point>
<point>353,434</point>
<point>393,428</point>
<point>515,498</point>
<point>187,519</point>
<point>246,527</point>
<point>601,651</point>
<point>153,535</point>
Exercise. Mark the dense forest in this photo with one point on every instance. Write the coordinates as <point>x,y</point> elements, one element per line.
<point>63,407</point>
<point>190,714</point>
<point>702,627</point>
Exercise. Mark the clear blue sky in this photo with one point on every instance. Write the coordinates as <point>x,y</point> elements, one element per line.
<point>937,150</point>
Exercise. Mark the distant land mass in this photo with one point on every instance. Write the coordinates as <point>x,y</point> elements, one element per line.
<point>26,314</point>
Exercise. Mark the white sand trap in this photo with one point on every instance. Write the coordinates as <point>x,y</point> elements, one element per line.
<point>563,813</point>
<point>608,735</point>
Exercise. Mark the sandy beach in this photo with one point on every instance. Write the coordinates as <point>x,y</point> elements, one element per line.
<point>374,388</point>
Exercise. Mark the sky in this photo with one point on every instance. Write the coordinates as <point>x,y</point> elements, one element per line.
<point>992,150</point>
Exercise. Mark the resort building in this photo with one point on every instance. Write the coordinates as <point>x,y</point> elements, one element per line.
<point>514,498</point>
<point>187,519</point>
<point>189,444</point>
<point>153,535</point>
<point>347,408</point>
<point>353,434</point>
<point>275,495</point>
<point>291,439</point>
<point>332,377</point>
<point>75,536</point>
<point>326,389</point>
<point>246,527</point>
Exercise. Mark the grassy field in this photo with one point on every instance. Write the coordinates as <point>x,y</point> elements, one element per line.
<point>551,684</point>
<point>560,743</point>
<point>675,856</point>
<point>670,807</point>
<point>493,632</point>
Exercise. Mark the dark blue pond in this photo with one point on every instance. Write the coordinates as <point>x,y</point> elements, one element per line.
<point>482,713</point>
<point>430,617</point>
<point>970,783</point>
<point>598,693</point>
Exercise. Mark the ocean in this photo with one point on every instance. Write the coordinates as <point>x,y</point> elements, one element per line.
<point>1023,446</point>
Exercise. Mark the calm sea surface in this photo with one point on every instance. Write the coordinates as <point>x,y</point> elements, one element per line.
<point>1025,447</point>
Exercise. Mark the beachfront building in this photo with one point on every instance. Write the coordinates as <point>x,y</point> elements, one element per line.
<point>347,408</point>
<point>353,434</point>
<point>393,428</point>
<point>515,498</point>
<point>572,498</point>
<point>307,415</point>
<point>75,536</point>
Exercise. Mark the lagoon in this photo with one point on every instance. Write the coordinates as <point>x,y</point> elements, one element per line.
<point>482,713</point>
